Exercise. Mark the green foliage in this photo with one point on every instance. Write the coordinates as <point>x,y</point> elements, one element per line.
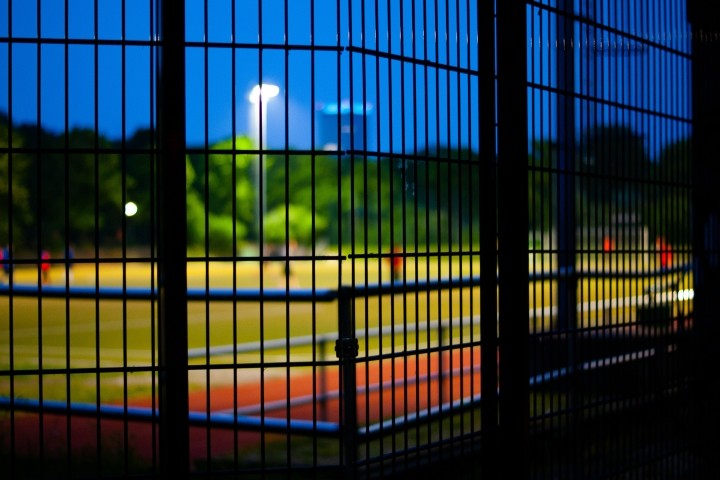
<point>224,188</point>
<point>614,160</point>
<point>299,221</point>
<point>220,185</point>
<point>671,208</point>
<point>614,179</point>
<point>195,208</point>
<point>140,188</point>
<point>75,196</point>
<point>428,200</point>
<point>542,186</point>
<point>15,169</point>
<point>222,235</point>
<point>309,186</point>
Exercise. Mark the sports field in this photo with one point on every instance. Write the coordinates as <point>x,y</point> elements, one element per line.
<point>53,333</point>
<point>57,333</point>
<point>112,345</point>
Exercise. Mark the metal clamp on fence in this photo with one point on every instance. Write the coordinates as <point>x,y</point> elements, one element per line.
<point>347,348</point>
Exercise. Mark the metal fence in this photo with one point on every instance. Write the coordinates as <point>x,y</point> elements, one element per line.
<point>358,239</point>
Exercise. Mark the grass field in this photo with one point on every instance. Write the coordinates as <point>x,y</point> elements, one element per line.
<point>50,333</point>
<point>105,342</point>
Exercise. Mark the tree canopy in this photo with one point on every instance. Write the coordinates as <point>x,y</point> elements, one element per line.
<point>72,187</point>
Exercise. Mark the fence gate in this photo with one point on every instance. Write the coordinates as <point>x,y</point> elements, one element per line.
<point>358,238</point>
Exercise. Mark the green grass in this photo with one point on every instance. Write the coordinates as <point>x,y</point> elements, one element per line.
<point>52,333</point>
<point>60,333</point>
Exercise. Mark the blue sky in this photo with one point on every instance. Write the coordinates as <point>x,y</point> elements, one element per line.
<point>43,69</point>
<point>411,105</point>
<point>635,70</point>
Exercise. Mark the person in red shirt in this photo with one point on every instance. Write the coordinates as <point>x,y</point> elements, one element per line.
<point>45,266</point>
<point>665,252</point>
<point>396,264</point>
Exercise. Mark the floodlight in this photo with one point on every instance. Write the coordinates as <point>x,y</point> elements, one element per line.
<point>263,92</point>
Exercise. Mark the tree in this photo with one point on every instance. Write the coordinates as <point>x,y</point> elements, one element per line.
<point>441,187</point>
<point>14,195</point>
<point>671,205</point>
<point>612,162</point>
<point>308,187</point>
<point>81,194</point>
<point>542,186</point>
<point>75,196</point>
<point>141,178</point>
<point>195,208</point>
<point>293,222</point>
<point>216,181</point>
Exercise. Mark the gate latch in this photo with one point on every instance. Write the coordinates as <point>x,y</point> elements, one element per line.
<point>346,348</point>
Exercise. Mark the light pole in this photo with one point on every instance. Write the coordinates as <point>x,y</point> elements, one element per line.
<point>259,96</point>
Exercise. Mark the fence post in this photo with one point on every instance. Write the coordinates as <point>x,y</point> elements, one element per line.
<point>566,225</point>
<point>705,387</point>
<point>567,282</point>
<point>513,298</point>
<point>488,242</point>
<point>346,348</point>
<point>172,248</point>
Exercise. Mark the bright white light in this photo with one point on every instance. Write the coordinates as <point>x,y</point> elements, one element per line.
<point>265,91</point>
<point>130,209</point>
<point>684,295</point>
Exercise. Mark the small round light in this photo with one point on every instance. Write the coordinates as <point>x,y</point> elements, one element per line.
<point>130,209</point>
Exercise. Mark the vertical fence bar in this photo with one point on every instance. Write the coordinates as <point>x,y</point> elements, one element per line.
<point>488,239</point>
<point>442,363</point>
<point>322,369</point>
<point>172,248</point>
<point>513,235</point>
<point>565,67</point>
<point>705,19</point>
<point>346,349</point>
<point>566,225</point>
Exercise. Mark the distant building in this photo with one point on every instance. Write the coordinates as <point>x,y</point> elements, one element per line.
<point>352,125</point>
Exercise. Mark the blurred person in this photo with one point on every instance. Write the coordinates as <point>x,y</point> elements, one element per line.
<point>45,266</point>
<point>664,252</point>
<point>7,265</point>
<point>69,257</point>
<point>289,250</point>
<point>608,244</point>
<point>396,263</point>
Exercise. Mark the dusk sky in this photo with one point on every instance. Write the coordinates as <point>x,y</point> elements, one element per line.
<point>439,105</point>
<point>295,96</point>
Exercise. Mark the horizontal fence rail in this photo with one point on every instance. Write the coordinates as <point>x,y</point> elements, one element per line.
<point>243,418</point>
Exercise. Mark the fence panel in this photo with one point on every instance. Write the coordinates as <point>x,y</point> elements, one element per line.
<point>354,238</point>
<point>610,175</point>
<point>78,345</point>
